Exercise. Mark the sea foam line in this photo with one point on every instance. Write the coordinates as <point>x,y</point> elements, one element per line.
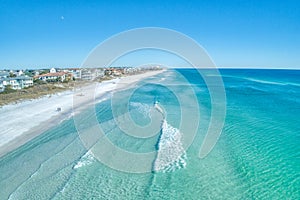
<point>170,152</point>
<point>87,159</point>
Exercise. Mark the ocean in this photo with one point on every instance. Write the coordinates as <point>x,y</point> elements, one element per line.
<point>257,155</point>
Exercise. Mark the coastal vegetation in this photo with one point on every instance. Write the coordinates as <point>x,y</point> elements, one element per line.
<point>41,87</point>
<point>36,91</point>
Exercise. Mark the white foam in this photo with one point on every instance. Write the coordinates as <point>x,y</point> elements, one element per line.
<point>85,160</point>
<point>265,82</point>
<point>142,108</point>
<point>171,154</point>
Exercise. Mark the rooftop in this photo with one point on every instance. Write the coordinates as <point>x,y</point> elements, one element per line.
<point>16,78</point>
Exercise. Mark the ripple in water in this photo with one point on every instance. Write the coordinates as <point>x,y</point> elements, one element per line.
<point>144,109</point>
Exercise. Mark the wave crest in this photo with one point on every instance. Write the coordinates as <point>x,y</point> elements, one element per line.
<point>171,154</point>
<point>85,160</point>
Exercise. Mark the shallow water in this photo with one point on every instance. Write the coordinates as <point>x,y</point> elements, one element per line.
<point>256,157</point>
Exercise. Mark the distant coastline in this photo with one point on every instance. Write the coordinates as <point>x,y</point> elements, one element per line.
<point>17,85</point>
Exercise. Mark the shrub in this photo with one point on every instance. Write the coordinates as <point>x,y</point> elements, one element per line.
<point>8,90</point>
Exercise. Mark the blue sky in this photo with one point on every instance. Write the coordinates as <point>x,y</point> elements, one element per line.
<point>235,33</point>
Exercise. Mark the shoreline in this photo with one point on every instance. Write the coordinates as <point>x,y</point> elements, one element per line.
<point>18,129</point>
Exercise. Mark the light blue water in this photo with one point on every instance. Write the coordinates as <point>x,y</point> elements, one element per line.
<point>256,157</point>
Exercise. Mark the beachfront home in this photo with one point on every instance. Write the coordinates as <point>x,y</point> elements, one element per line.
<point>1,86</point>
<point>19,73</point>
<point>16,83</point>
<point>114,71</point>
<point>52,70</point>
<point>76,72</point>
<point>52,77</point>
<point>91,73</point>
<point>88,74</point>
<point>4,75</point>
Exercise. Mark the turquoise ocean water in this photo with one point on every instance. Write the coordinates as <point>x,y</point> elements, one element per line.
<point>256,157</point>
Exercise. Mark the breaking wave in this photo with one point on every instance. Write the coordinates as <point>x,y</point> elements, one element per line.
<point>85,160</point>
<point>171,154</point>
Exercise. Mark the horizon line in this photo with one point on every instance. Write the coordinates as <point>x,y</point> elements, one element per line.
<point>258,68</point>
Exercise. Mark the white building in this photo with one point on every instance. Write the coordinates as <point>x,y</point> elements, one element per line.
<point>4,75</point>
<point>16,83</point>
<point>76,72</point>
<point>1,86</point>
<point>52,70</point>
<point>20,73</point>
<point>56,76</point>
<point>88,74</point>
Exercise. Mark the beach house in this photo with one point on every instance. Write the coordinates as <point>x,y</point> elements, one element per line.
<point>4,75</point>
<point>16,83</point>
<point>1,86</point>
<point>53,76</point>
<point>76,72</point>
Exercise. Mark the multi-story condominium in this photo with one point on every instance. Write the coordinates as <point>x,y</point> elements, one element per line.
<point>88,74</point>
<point>16,83</point>
<point>56,76</point>
<point>76,72</point>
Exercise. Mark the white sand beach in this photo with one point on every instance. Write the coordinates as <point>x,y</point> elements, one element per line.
<point>23,121</point>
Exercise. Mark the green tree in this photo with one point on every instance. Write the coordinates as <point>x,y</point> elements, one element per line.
<point>8,89</point>
<point>11,74</point>
<point>44,72</point>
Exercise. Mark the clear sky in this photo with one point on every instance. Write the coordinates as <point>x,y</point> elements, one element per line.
<point>236,33</point>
